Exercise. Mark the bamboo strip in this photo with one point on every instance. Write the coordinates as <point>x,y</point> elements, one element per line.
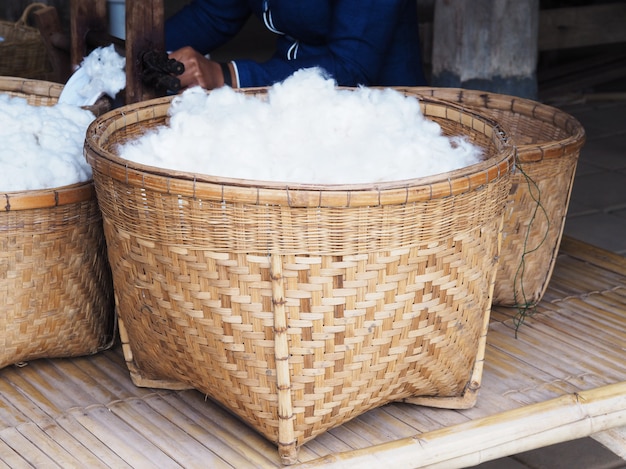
<point>81,454</point>
<point>576,274</point>
<point>52,445</point>
<point>88,440</point>
<point>580,284</point>
<point>9,459</point>
<point>34,456</point>
<point>556,357</point>
<point>167,436</point>
<point>608,332</point>
<point>128,444</point>
<point>561,419</point>
<point>186,421</point>
<point>614,439</point>
<point>340,439</point>
<point>106,379</point>
<point>21,396</point>
<point>227,429</point>
<point>384,423</point>
<point>594,255</point>
<point>286,434</point>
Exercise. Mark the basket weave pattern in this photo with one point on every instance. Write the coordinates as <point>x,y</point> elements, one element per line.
<point>53,297</point>
<point>23,52</point>
<point>300,307</point>
<point>548,143</point>
<point>55,282</point>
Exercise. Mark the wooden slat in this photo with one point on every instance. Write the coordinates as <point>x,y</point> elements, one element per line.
<point>9,458</point>
<point>553,421</point>
<point>88,440</point>
<point>594,255</point>
<point>56,445</point>
<point>563,28</point>
<point>30,453</point>
<point>49,25</point>
<point>144,32</point>
<point>187,422</point>
<point>170,439</point>
<point>614,439</point>
<point>128,444</point>
<point>85,16</point>
<point>230,431</point>
<point>556,381</point>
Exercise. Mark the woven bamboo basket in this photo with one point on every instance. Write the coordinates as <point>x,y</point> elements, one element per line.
<point>548,143</point>
<point>22,51</point>
<point>56,296</point>
<point>299,307</point>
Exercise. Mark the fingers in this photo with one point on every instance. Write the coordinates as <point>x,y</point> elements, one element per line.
<point>199,70</point>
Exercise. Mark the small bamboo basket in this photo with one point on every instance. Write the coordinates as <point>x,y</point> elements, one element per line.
<point>299,307</point>
<point>22,51</point>
<point>548,143</point>
<point>56,296</point>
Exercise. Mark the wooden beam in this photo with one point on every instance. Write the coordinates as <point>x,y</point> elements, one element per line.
<point>576,76</point>
<point>529,427</point>
<point>85,16</point>
<point>486,44</point>
<point>564,28</point>
<point>57,42</point>
<point>144,32</point>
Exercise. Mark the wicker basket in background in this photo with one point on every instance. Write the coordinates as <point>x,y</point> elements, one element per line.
<point>299,307</point>
<point>22,51</point>
<point>56,296</point>
<point>548,143</point>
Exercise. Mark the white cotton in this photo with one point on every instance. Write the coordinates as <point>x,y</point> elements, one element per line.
<point>307,131</point>
<point>100,73</point>
<point>41,146</point>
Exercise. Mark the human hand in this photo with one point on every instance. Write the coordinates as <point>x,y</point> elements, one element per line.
<point>199,70</point>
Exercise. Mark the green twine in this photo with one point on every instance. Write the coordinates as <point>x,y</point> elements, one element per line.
<point>525,308</point>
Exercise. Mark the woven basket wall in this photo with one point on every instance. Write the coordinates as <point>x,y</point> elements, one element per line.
<point>22,52</point>
<point>56,296</point>
<point>300,307</point>
<point>548,143</point>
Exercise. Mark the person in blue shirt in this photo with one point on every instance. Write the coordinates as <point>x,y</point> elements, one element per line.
<point>356,42</point>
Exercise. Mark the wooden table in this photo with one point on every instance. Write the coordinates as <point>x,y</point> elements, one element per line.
<point>562,378</point>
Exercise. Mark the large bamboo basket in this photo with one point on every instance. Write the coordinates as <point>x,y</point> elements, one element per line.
<point>56,296</point>
<point>299,307</point>
<point>548,143</point>
<point>22,52</point>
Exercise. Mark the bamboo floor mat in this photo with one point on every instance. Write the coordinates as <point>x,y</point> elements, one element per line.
<point>562,378</point>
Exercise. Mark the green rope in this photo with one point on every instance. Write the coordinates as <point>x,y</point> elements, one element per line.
<point>525,308</point>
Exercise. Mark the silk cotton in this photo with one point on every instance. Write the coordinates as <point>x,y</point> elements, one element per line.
<point>357,42</point>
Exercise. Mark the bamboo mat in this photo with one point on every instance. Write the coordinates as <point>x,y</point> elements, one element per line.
<point>562,378</point>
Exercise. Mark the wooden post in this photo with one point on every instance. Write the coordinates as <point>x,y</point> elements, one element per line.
<point>487,45</point>
<point>85,16</point>
<point>144,31</point>
<point>57,42</point>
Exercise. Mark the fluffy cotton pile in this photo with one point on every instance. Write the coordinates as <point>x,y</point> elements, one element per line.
<point>308,131</point>
<point>100,73</point>
<point>42,146</point>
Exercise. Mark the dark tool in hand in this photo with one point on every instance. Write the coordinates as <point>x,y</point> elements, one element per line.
<point>159,71</point>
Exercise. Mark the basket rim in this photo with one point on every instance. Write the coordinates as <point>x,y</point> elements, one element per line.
<point>529,152</point>
<point>44,88</point>
<point>48,198</point>
<point>204,186</point>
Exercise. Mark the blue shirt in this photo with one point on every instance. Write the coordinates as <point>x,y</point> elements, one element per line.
<point>357,42</point>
